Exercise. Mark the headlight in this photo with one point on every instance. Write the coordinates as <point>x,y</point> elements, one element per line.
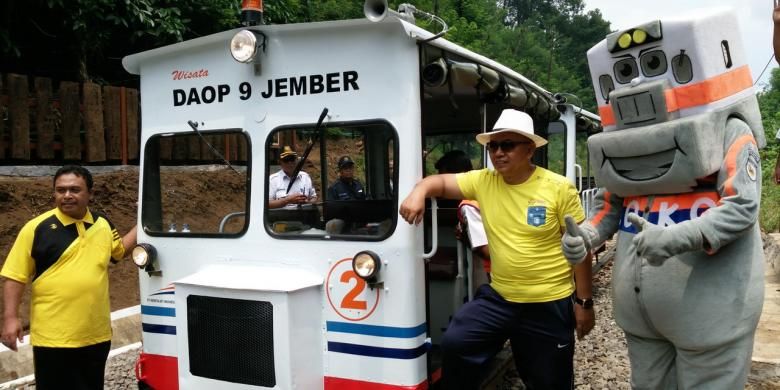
<point>143,255</point>
<point>624,41</point>
<point>639,36</point>
<point>243,46</point>
<point>366,265</point>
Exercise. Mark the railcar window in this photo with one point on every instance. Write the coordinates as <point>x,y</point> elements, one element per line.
<point>334,183</point>
<point>556,148</point>
<point>196,184</point>
<point>437,146</point>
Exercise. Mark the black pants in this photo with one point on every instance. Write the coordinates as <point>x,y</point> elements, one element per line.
<point>70,368</point>
<point>542,337</point>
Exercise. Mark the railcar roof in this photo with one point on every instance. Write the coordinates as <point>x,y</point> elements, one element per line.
<point>133,62</point>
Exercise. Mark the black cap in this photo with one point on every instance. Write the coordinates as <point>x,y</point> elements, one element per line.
<point>345,161</point>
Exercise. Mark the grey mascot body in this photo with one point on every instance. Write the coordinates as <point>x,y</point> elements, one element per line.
<point>680,180</point>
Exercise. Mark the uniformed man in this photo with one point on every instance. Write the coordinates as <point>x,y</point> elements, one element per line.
<point>346,187</point>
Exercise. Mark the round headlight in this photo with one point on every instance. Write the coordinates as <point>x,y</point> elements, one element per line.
<point>366,264</point>
<point>639,36</point>
<point>243,46</point>
<point>624,41</point>
<point>143,254</point>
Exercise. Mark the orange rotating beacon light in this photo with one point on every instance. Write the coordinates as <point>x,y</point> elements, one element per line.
<point>251,12</point>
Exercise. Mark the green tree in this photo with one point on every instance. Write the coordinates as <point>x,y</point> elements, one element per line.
<point>769,103</point>
<point>86,39</point>
<point>48,36</point>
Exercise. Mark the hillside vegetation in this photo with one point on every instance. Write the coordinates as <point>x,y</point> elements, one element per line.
<point>769,101</point>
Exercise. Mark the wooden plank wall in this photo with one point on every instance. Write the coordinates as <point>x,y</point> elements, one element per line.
<point>67,122</point>
<point>19,116</point>
<point>133,101</point>
<point>44,119</point>
<point>112,122</point>
<point>51,123</point>
<point>71,120</point>
<point>93,118</point>
<point>3,116</point>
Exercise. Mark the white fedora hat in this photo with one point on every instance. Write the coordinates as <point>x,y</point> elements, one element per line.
<point>513,121</point>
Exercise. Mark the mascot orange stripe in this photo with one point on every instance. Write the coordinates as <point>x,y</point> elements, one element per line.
<point>607,115</point>
<point>607,205</point>
<point>731,162</point>
<point>698,94</point>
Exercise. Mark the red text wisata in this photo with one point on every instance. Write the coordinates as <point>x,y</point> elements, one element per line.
<point>184,75</point>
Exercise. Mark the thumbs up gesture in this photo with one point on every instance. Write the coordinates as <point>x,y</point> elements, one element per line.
<point>648,240</point>
<point>575,243</point>
<point>656,244</point>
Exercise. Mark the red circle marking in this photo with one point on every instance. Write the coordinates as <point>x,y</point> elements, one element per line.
<point>330,301</point>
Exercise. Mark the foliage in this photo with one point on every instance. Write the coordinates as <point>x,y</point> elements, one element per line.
<point>769,103</point>
<point>545,40</point>
<point>770,192</point>
<point>71,38</point>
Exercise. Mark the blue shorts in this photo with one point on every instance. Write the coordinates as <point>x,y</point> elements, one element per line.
<point>542,337</point>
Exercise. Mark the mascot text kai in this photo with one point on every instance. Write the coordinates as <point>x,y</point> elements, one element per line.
<point>680,180</point>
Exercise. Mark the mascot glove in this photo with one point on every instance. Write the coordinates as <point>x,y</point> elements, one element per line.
<point>575,243</point>
<point>656,244</point>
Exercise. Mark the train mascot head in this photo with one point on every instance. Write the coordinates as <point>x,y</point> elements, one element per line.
<point>680,180</point>
<point>665,91</point>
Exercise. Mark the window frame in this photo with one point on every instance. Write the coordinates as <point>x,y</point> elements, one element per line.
<point>272,134</point>
<point>154,176</point>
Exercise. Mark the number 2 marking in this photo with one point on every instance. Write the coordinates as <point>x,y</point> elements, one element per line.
<point>349,301</point>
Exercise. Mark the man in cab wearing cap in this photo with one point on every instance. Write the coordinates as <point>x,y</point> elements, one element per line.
<point>532,299</point>
<point>302,190</point>
<point>346,187</point>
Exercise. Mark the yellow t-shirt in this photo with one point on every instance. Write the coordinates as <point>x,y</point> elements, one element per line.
<point>67,262</point>
<point>524,224</point>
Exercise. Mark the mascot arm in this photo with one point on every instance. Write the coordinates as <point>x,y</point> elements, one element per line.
<point>577,241</point>
<point>739,185</point>
<point>656,244</point>
<point>606,214</point>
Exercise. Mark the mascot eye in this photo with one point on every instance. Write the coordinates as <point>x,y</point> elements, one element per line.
<point>653,63</point>
<point>625,70</point>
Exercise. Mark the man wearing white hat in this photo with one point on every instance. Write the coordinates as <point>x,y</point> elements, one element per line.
<point>531,298</point>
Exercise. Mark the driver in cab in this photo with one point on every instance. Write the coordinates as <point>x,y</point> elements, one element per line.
<point>346,187</point>
<point>302,190</point>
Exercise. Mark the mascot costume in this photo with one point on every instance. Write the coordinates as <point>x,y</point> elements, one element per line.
<point>680,184</point>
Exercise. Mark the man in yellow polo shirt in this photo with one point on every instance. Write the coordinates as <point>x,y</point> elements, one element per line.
<point>64,253</point>
<point>531,298</point>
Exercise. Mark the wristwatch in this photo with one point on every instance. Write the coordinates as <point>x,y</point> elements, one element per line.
<point>586,303</point>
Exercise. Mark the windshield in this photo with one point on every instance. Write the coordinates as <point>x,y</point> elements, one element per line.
<point>335,183</point>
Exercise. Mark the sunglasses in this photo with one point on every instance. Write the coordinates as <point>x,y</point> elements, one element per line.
<point>289,159</point>
<point>505,145</point>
